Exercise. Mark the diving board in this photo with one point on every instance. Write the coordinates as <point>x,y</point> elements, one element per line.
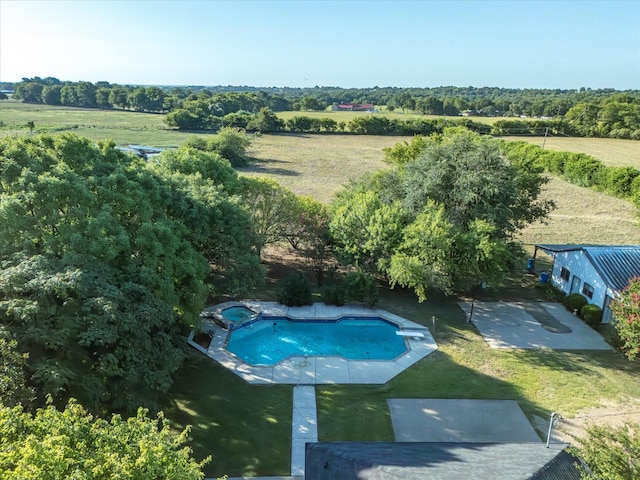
<point>408,333</point>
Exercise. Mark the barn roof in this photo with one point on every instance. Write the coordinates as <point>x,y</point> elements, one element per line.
<point>616,264</point>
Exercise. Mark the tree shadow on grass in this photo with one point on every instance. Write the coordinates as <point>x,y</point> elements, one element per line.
<point>246,428</point>
<point>266,166</point>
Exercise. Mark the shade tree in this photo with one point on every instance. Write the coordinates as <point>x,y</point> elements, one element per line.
<point>103,265</point>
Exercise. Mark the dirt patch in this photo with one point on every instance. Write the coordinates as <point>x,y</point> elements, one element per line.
<point>572,429</point>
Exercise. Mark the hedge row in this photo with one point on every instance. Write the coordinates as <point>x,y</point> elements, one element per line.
<point>579,169</point>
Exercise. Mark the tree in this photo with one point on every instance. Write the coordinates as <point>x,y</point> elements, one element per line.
<point>442,217</point>
<point>311,104</point>
<point>14,388</point>
<point>119,96</point>
<point>218,224</point>
<point>611,453</point>
<point>311,235</point>
<point>367,230</point>
<point>469,176</point>
<point>99,276</point>
<point>51,94</point>
<point>230,143</point>
<point>272,209</point>
<point>28,92</point>
<point>265,121</point>
<point>422,260</point>
<point>69,96</point>
<point>102,98</point>
<point>626,309</point>
<point>73,444</point>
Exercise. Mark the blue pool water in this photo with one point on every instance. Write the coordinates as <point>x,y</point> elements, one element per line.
<point>237,314</point>
<point>272,339</point>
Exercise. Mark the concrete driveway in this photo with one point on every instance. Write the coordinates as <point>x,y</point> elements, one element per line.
<point>512,325</point>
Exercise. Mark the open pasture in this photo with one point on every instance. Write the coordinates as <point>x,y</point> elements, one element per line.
<point>319,165</point>
<point>123,127</point>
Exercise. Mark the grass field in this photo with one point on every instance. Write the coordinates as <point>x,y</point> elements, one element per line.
<point>123,127</point>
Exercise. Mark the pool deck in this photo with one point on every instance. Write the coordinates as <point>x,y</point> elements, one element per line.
<point>300,370</point>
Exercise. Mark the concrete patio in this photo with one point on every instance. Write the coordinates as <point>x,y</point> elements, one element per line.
<point>511,325</point>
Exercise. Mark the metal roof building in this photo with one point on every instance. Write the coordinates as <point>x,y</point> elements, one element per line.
<point>599,272</point>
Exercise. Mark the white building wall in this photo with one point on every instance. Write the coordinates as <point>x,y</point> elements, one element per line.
<point>579,266</point>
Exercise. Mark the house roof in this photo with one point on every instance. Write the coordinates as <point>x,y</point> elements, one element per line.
<point>616,264</point>
<point>444,461</point>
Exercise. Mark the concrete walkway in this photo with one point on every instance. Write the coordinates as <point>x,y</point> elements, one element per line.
<point>304,425</point>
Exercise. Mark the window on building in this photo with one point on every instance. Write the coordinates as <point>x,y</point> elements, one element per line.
<point>565,274</point>
<point>587,290</point>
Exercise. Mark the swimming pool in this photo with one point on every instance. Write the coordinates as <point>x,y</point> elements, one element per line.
<point>270,340</point>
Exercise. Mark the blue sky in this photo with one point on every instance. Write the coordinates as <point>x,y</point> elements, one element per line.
<point>514,44</point>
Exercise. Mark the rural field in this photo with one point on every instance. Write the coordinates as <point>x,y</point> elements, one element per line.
<point>318,165</point>
<point>247,428</point>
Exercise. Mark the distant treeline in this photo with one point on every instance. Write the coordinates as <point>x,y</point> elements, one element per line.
<point>584,112</point>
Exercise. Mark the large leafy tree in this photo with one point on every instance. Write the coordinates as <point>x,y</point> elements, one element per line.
<point>99,274</point>
<point>626,309</point>
<point>468,174</point>
<point>272,208</point>
<point>309,233</point>
<point>443,216</point>
<point>71,443</point>
<point>218,224</point>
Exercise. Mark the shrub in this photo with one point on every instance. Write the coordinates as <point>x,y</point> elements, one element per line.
<point>334,295</point>
<point>575,301</point>
<point>295,290</point>
<point>361,287</point>
<point>592,314</point>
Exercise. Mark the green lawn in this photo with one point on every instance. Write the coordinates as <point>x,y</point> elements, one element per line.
<point>247,428</point>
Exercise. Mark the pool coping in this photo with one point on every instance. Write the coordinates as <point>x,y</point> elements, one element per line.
<point>300,370</point>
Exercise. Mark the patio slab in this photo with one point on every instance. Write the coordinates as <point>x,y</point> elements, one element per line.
<point>448,420</point>
<point>509,325</point>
